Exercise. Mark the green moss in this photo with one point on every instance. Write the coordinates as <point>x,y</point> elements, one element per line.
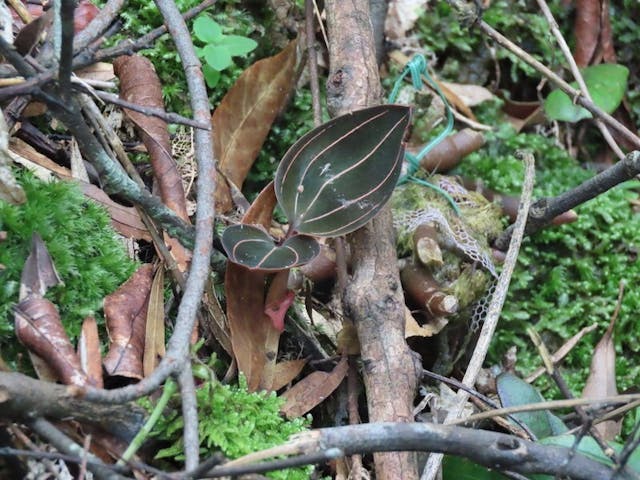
<point>234,421</point>
<point>567,277</point>
<point>464,54</point>
<point>77,232</point>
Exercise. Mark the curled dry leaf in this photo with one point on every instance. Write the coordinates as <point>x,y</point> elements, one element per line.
<point>243,119</point>
<point>125,311</point>
<point>254,339</point>
<point>85,12</point>
<point>39,328</point>
<point>312,390</point>
<point>139,84</point>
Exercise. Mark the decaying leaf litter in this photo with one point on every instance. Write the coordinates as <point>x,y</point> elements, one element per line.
<point>273,326</point>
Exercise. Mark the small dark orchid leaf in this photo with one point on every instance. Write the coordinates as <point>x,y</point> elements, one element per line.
<point>252,247</point>
<point>339,175</point>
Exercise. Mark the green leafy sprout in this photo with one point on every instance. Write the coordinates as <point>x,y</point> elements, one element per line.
<point>218,48</point>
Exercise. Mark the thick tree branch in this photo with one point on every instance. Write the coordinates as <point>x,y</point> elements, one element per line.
<point>493,450</point>
<point>373,298</point>
<point>23,397</point>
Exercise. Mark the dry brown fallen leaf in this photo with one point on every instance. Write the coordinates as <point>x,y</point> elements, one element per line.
<point>37,322</point>
<point>602,378</point>
<point>89,351</point>
<point>140,84</point>
<point>39,328</point>
<point>125,311</point>
<point>312,390</point>
<point>254,339</point>
<point>244,117</point>
<point>284,372</point>
<point>154,348</point>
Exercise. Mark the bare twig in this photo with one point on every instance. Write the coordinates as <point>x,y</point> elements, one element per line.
<point>21,395</point>
<point>190,417</point>
<point>560,83</point>
<point>107,14</point>
<point>550,405</point>
<point>554,373</point>
<point>576,74</point>
<point>312,65</point>
<point>40,455</point>
<point>127,47</point>
<point>63,443</point>
<point>178,347</point>
<point>168,117</point>
<point>494,309</point>
<point>67,8</point>
<point>546,209</point>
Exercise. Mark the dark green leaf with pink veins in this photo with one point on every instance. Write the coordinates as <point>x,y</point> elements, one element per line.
<point>252,247</point>
<point>339,175</point>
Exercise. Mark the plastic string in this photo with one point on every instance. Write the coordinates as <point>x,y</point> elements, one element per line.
<point>417,67</point>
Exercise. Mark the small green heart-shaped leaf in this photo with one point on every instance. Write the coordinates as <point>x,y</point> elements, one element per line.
<point>252,247</point>
<point>211,75</point>
<point>237,45</point>
<point>607,84</point>
<point>339,175</point>
<point>207,29</point>
<point>217,56</point>
<point>514,391</point>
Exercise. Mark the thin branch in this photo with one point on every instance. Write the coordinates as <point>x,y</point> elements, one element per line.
<point>494,309</point>
<point>550,405</point>
<point>100,23</point>
<point>127,47</point>
<point>483,398</point>
<point>576,74</point>
<point>312,59</point>
<point>66,445</point>
<point>178,347</point>
<point>545,209</point>
<point>191,441</point>
<point>115,179</point>
<point>21,395</point>
<point>67,9</point>
<point>578,96</point>
<point>9,52</point>
<point>168,117</point>
<point>40,455</point>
